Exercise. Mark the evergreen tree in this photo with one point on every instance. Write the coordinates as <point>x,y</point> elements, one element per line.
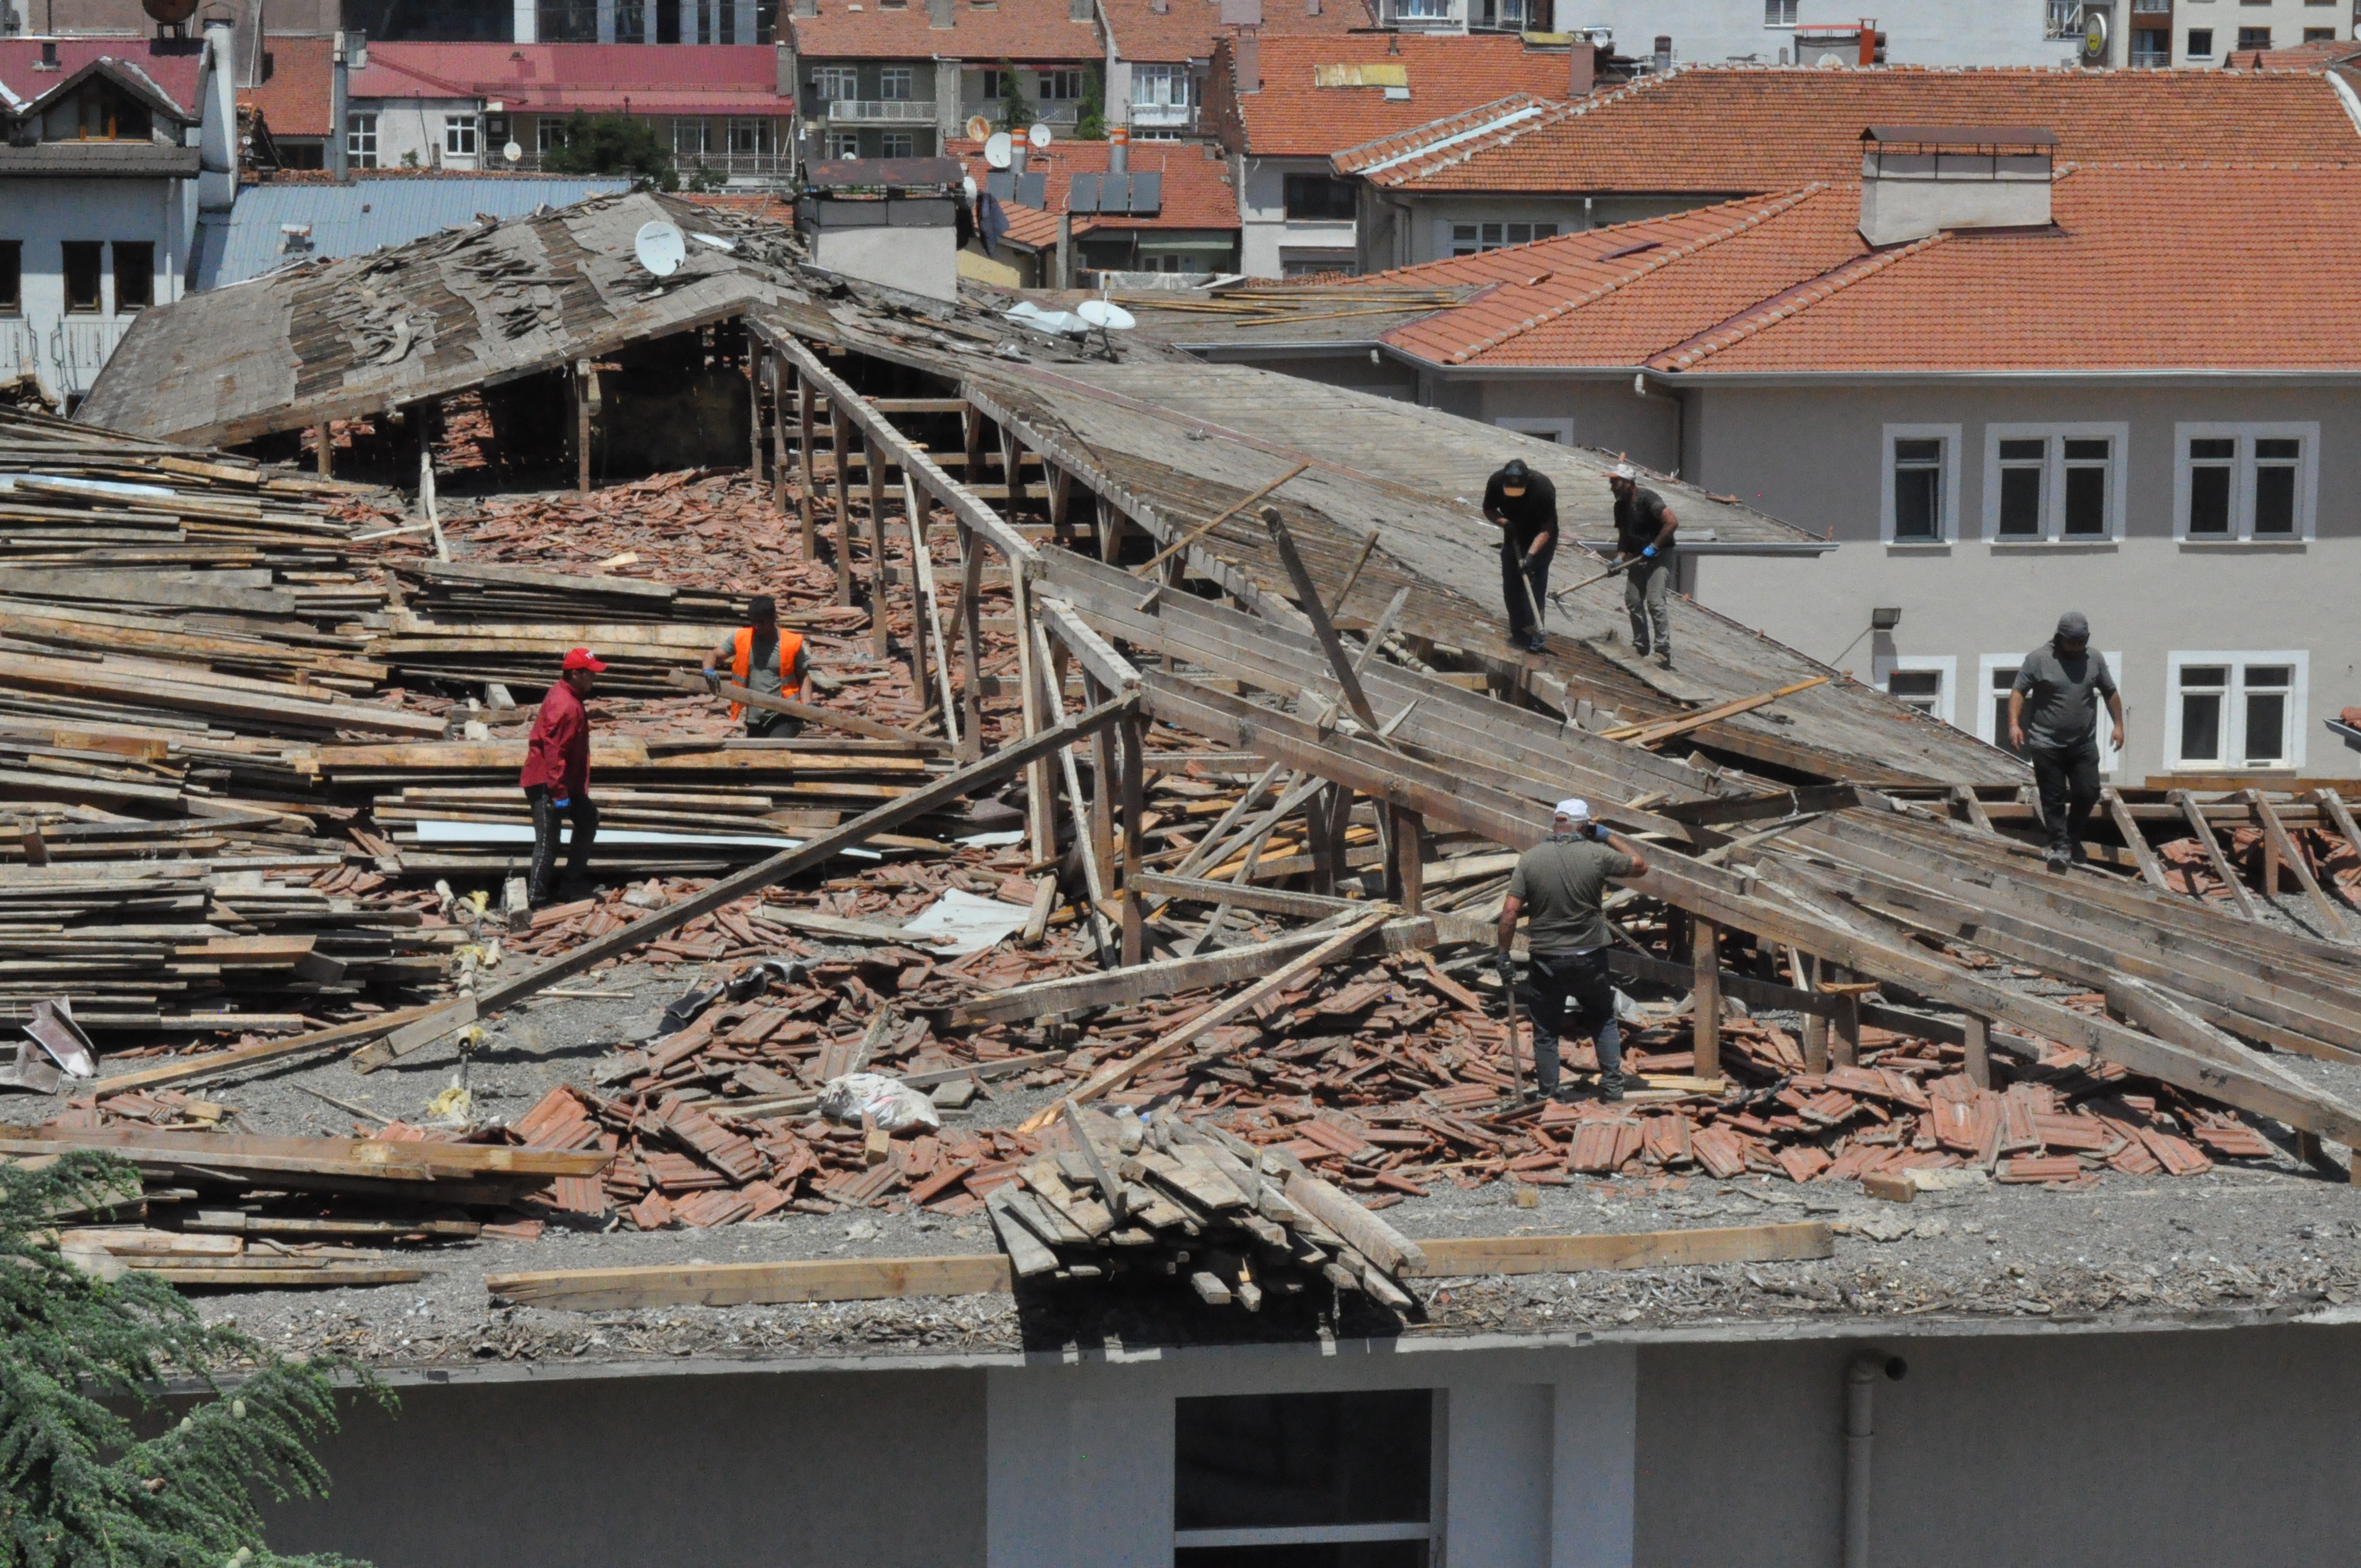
<point>612,144</point>
<point>81,1357</point>
<point>1016,109</point>
<point>1089,115</point>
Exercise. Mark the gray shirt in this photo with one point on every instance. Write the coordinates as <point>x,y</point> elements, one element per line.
<point>2062,694</point>
<point>1561,881</point>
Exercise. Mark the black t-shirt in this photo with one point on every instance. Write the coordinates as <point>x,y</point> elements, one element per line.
<point>1639,518</point>
<point>1530,515</point>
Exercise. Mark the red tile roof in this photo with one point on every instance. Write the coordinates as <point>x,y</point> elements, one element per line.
<point>169,66</point>
<point>1291,116</point>
<point>1196,188</point>
<point>674,79</point>
<point>1736,128</point>
<point>1188,29</point>
<point>2242,262</point>
<point>2298,57</point>
<point>992,30</point>
<point>1438,136</point>
<point>295,98</point>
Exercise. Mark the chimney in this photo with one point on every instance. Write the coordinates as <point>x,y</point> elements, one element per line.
<point>1118,149</point>
<point>1663,53</point>
<point>1241,12</point>
<point>1581,68</point>
<point>49,55</point>
<point>1018,148</point>
<point>1918,181</point>
<point>939,12</point>
<point>1312,7</point>
<point>339,100</point>
<point>1082,10</point>
<point>1246,62</point>
<point>1867,40</point>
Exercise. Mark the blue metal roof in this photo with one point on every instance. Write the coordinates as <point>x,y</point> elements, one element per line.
<point>348,220</point>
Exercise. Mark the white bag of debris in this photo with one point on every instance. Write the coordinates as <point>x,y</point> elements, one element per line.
<point>888,1102</point>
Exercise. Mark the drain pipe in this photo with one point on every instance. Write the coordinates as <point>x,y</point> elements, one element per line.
<point>1860,1439</point>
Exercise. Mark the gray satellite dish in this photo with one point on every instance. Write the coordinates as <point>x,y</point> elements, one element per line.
<point>968,186</point>
<point>1040,137</point>
<point>998,151</point>
<point>1105,314</point>
<point>513,153</point>
<point>659,248</point>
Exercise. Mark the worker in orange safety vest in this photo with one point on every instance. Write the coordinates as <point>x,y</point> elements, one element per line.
<point>766,660</point>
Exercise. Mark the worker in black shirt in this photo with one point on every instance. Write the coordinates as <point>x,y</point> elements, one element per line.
<point>1524,505</point>
<point>1643,538</point>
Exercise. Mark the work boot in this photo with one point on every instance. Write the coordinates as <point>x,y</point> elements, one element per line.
<point>1664,659</point>
<point>2059,861</point>
<point>1611,1087</point>
<point>2082,857</point>
<point>1536,643</point>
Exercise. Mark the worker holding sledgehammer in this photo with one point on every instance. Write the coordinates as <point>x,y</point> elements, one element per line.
<point>1524,505</point>
<point>1560,885</point>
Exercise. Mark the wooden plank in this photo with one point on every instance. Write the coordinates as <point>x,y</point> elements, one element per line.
<point>1270,900</point>
<point>1307,593</point>
<point>187,1068</point>
<point>1363,1231</point>
<point>1148,566</point>
<point>2275,834</point>
<point>1705,991</point>
<point>2203,830</point>
<point>754,1284</point>
<point>830,718</point>
<point>1450,1258</point>
<point>2152,869</point>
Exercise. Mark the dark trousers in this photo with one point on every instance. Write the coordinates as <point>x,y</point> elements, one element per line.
<point>2068,780</point>
<point>762,724</point>
<point>1556,982</point>
<point>1536,573</point>
<point>542,884</point>
<point>1647,594</point>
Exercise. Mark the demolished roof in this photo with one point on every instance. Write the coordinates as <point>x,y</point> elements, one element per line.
<point>1736,129</point>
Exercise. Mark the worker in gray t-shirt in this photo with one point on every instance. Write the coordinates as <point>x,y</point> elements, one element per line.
<point>2053,719</point>
<point>1560,885</point>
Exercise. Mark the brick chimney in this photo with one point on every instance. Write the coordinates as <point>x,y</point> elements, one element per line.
<point>1246,51</point>
<point>1581,68</point>
<point>942,12</point>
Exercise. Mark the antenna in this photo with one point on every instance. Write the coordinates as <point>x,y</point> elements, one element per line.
<point>513,153</point>
<point>659,248</point>
<point>999,151</point>
<point>1040,137</point>
<point>1108,317</point>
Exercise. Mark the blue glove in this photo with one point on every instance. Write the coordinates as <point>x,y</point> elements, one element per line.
<point>561,804</point>
<point>1647,554</point>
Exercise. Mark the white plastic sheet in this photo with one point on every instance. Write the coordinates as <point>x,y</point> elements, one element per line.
<point>961,921</point>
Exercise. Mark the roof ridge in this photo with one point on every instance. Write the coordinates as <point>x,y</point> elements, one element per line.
<point>1786,304</point>
<point>1776,206</point>
<point>1555,114</point>
<point>1519,98</point>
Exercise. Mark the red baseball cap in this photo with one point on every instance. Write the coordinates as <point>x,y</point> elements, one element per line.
<point>583,659</point>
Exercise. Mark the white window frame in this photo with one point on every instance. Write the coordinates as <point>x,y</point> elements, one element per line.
<point>2190,43</point>
<point>894,84</point>
<point>549,133</point>
<point>1944,665</point>
<point>1053,81</point>
<point>2299,701</point>
<point>1162,86</point>
<point>897,144</point>
<point>836,82</point>
<point>843,146</point>
<point>1988,721</point>
<point>2118,437</point>
<point>360,138</point>
<point>1558,430</point>
<point>754,131</point>
<point>1447,241</point>
<point>2242,483</point>
<point>457,129</point>
<point>1948,523</point>
<point>1779,14</point>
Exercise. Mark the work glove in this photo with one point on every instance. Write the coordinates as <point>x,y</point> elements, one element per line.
<point>712,679</point>
<point>561,802</point>
<point>1649,554</point>
<point>1507,964</point>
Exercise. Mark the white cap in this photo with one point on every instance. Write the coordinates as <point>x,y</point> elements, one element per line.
<point>1574,810</point>
<point>1625,471</point>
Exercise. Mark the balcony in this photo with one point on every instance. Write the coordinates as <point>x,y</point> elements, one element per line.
<point>881,110</point>
<point>1056,112</point>
<point>1164,116</point>
<point>768,167</point>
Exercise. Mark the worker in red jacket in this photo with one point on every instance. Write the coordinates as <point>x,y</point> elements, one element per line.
<point>556,776</point>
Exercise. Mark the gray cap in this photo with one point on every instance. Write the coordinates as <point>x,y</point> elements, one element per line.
<point>2073,625</point>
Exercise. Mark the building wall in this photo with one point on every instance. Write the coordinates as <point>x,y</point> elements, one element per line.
<point>1817,459</point>
<point>64,351</point>
<point>1939,32</point>
<point>1268,238</point>
<point>1600,412</point>
<point>409,131</point>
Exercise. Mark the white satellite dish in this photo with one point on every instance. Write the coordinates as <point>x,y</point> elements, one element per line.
<point>968,186</point>
<point>978,127</point>
<point>1105,314</point>
<point>659,248</point>
<point>513,153</point>
<point>1040,137</point>
<point>999,151</point>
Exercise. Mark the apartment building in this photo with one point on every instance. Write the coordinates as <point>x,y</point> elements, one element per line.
<point>1163,207</point>
<point>889,78</point>
<point>1159,51</point>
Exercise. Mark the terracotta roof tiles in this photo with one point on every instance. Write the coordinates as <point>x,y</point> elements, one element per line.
<point>1188,29</point>
<point>684,79</point>
<point>1291,115</point>
<point>1196,188</point>
<point>295,97</point>
<point>984,30</point>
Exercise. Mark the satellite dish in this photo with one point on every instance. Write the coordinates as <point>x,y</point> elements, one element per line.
<point>998,151</point>
<point>1063,323</point>
<point>968,187</point>
<point>659,248</point>
<point>172,13</point>
<point>978,127</point>
<point>513,153</point>
<point>1040,137</point>
<point>1105,314</point>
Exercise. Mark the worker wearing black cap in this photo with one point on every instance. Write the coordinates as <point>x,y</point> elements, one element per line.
<point>2053,719</point>
<point>1524,505</point>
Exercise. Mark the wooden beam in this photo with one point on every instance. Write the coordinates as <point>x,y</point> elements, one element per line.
<point>2203,830</point>
<point>1705,991</point>
<point>184,1068</point>
<point>1148,568</point>
<point>1108,667</point>
<point>1271,900</point>
<point>1132,775</point>
<point>586,392</point>
<point>1452,1258</point>
<point>971,623</point>
<point>806,529</point>
<point>1307,594</point>
<point>2275,833</point>
<point>754,1284</point>
<point>839,434</point>
<point>828,718</point>
<point>880,634</point>
<point>2152,869</point>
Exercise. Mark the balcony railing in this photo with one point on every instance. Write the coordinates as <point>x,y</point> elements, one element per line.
<point>777,165</point>
<point>1164,116</point>
<point>1056,112</point>
<point>882,111</point>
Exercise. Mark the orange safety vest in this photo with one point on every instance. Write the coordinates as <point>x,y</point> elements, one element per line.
<point>741,663</point>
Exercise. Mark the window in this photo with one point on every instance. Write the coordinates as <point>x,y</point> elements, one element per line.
<point>844,143</point>
<point>360,140</point>
<point>458,135</point>
<point>2254,37</point>
<point>836,82</point>
<point>12,276</point>
<point>134,276</point>
<point>2200,43</point>
<point>1289,1478</point>
<point>1923,681</point>
<point>81,268</point>
<point>1164,86</point>
<point>2251,483</point>
<point>2151,48</point>
<point>893,84</point>
<point>1318,197</point>
<point>1549,429</point>
<point>1474,239</point>
<point>101,112</point>
<point>997,84</point>
<point>749,138</point>
<point>2063,19</point>
<point>548,134</point>
<point>2318,35</point>
<point>2236,710</point>
<point>1314,263</point>
<point>2061,483</point>
<point>897,144</point>
<point>1920,502</point>
<point>1064,86</point>
<point>691,139</point>
<point>1778,12</point>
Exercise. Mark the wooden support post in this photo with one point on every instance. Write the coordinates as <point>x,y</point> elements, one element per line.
<point>1132,768</point>
<point>1111,524</point>
<point>2285,850</point>
<point>1323,818</point>
<point>839,434</point>
<point>806,529</point>
<point>1407,876</point>
<point>2150,867</point>
<point>1040,815</point>
<point>971,443</point>
<point>2195,817</point>
<point>923,613</point>
<point>1012,473</point>
<point>1061,505</point>
<point>326,454</point>
<point>771,363</point>
<point>1307,594</point>
<point>1972,809</point>
<point>1844,1023</point>
<point>1979,1047</point>
<point>2331,807</point>
<point>1704,988</point>
<point>1103,765</point>
<point>586,398</point>
<point>880,639</point>
<point>971,620</point>
<point>754,409</point>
